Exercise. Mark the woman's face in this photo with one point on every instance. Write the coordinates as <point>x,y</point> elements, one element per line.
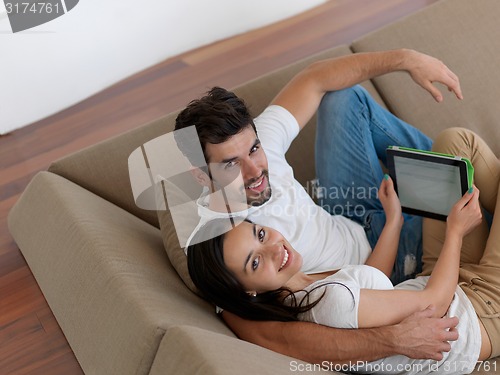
<point>260,257</point>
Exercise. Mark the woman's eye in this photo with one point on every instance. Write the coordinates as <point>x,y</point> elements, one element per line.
<point>255,264</point>
<point>254,148</point>
<point>261,235</point>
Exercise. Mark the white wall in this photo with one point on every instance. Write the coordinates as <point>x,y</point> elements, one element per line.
<point>48,68</point>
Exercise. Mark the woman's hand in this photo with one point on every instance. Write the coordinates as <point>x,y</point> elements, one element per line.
<point>384,252</point>
<point>390,201</point>
<point>466,214</point>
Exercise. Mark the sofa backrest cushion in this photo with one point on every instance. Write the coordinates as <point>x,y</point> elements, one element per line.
<point>174,251</point>
<point>467,39</point>
<point>103,168</point>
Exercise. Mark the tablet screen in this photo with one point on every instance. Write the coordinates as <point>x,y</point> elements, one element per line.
<point>427,186</point>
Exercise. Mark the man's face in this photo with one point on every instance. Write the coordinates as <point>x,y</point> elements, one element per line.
<point>241,153</point>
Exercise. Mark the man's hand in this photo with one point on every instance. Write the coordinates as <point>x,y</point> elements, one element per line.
<point>422,337</point>
<point>425,70</point>
<point>303,94</point>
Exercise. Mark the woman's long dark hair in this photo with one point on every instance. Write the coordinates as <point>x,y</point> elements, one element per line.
<point>219,285</point>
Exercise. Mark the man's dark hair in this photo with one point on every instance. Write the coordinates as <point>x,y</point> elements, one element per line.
<point>217,116</point>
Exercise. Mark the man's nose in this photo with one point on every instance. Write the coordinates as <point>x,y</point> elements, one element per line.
<point>251,170</point>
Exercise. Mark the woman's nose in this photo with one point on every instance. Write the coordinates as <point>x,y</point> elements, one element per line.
<point>273,249</point>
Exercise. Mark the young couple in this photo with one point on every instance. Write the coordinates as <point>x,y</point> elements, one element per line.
<point>348,121</point>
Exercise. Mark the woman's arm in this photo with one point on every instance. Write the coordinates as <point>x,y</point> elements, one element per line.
<point>385,307</point>
<point>464,217</point>
<point>419,336</point>
<point>384,253</point>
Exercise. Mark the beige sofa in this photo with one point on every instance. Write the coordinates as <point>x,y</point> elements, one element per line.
<point>100,260</point>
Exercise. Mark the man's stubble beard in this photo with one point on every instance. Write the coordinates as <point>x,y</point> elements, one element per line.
<point>264,196</point>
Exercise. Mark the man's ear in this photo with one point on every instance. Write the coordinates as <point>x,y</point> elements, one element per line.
<point>201,177</point>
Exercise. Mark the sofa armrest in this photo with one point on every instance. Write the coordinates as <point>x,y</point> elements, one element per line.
<point>105,275</point>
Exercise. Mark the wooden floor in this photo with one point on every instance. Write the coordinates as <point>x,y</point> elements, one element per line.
<point>31,342</point>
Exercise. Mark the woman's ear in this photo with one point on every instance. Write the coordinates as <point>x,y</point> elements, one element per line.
<point>201,177</point>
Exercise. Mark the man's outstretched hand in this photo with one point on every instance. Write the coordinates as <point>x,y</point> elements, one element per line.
<point>425,70</point>
<point>420,336</point>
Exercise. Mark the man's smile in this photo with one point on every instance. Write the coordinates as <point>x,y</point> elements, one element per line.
<point>259,185</point>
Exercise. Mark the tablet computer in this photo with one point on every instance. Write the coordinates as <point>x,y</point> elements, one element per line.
<point>428,183</point>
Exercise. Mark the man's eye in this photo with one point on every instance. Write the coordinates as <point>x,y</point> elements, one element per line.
<point>230,164</point>
<point>255,264</point>
<point>261,235</point>
<point>254,148</point>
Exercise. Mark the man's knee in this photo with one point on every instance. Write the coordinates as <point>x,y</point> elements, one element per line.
<point>454,141</point>
<point>337,102</point>
<point>341,108</point>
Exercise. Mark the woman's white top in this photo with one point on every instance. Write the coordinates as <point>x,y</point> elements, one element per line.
<point>339,308</point>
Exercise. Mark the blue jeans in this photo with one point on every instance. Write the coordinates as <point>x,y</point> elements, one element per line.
<point>353,132</point>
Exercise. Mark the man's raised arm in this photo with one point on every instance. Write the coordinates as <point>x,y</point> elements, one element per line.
<point>303,94</point>
<point>419,336</point>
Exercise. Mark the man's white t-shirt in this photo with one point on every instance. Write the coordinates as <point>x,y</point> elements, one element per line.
<point>325,242</point>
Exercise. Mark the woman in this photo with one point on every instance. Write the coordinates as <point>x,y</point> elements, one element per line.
<point>254,272</point>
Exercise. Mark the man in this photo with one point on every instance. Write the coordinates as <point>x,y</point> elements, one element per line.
<point>353,132</point>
